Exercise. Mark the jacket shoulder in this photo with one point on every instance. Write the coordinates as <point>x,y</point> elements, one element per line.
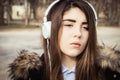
<point>108,59</point>
<point>24,65</point>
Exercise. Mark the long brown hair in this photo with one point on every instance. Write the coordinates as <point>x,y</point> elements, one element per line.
<point>85,67</point>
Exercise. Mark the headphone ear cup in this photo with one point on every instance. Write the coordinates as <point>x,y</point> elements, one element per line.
<point>46,29</point>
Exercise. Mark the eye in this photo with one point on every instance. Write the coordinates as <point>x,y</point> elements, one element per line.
<point>85,27</point>
<point>68,25</point>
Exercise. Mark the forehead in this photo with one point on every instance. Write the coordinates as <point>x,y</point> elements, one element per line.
<point>74,13</point>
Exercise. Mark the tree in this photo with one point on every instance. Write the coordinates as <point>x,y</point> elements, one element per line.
<point>112,12</point>
<point>1,12</point>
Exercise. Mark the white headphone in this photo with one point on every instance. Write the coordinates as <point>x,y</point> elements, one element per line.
<point>46,28</point>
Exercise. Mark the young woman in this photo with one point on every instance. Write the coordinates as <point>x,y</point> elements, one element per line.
<point>71,51</point>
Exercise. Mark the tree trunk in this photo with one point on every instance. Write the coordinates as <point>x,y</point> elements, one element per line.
<point>1,12</point>
<point>9,13</point>
<point>119,15</point>
<point>114,13</point>
<point>27,12</point>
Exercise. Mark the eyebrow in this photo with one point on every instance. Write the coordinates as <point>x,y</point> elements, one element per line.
<point>84,22</point>
<point>71,20</point>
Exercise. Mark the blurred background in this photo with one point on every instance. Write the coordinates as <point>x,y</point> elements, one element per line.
<point>21,22</point>
<point>31,11</point>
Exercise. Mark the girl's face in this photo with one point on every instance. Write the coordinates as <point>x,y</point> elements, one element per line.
<point>73,34</point>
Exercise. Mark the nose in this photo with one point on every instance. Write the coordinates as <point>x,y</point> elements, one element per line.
<point>77,32</point>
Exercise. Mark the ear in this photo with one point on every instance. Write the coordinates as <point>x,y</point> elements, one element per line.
<point>46,29</point>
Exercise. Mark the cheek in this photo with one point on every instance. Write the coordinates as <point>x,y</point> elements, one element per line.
<point>63,38</point>
<point>85,36</point>
<point>63,35</point>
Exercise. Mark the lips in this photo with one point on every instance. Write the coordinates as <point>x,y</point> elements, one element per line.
<point>76,44</point>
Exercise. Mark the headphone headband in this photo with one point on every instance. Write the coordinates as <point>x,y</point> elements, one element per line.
<point>95,14</point>
<point>49,8</point>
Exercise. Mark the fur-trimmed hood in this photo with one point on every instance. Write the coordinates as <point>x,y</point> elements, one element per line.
<point>19,68</point>
<point>107,58</point>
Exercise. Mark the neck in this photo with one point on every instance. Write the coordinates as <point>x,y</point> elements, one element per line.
<point>69,62</point>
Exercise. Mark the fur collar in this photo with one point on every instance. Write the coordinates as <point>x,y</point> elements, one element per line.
<point>107,58</point>
<point>19,68</point>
